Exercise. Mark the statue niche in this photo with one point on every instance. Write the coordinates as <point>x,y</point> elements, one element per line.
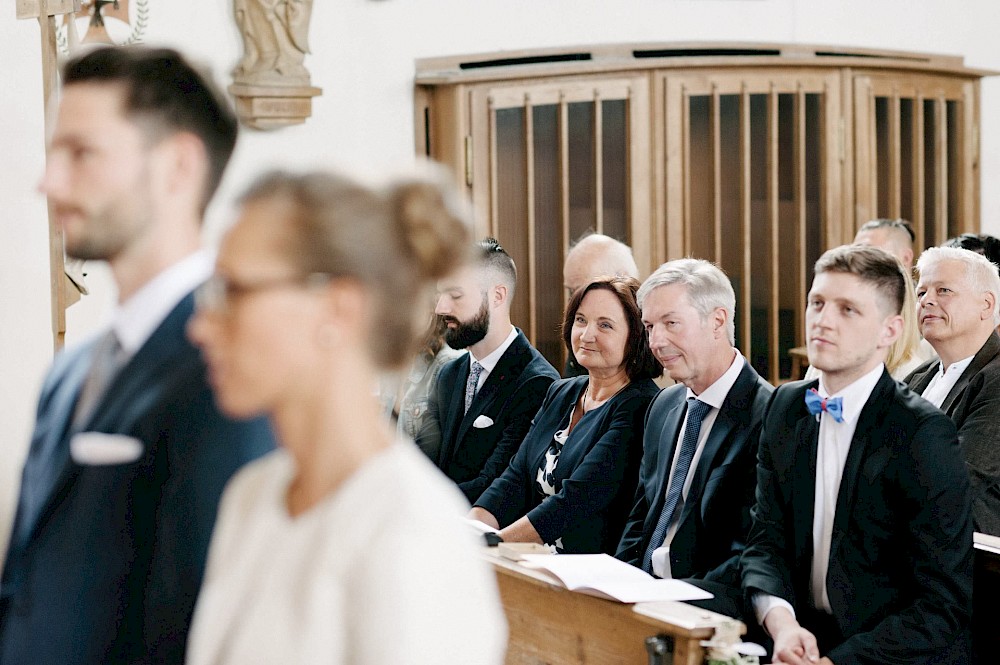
<point>271,83</point>
<point>275,41</point>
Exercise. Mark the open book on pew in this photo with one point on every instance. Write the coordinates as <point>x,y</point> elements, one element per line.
<point>606,577</point>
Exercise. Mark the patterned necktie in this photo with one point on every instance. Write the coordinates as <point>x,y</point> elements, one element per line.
<point>109,357</point>
<point>471,384</point>
<point>817,404</point>
<point>696,411</point>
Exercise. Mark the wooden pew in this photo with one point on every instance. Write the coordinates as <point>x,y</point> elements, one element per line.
<point>986,598</point>
<point>550,624</point>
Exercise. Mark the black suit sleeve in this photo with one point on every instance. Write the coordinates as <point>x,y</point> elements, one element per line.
<point>505,497</point>
<point>768,547</point>
<point>934,504</point>
<point>742,472</point>
<point>594,483</point>
<point>630,546</point>
<point>978,432</point>
<point>518,414</point>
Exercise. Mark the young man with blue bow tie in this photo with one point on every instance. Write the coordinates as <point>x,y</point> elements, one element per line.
<point>861,544</point>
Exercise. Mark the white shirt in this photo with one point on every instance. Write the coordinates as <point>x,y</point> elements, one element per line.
<point>945,379</point>
<point>381,571</point>
<point>135,319</point>
<point>833,445</point>
<point>490,361</point>
<point>714,396</point>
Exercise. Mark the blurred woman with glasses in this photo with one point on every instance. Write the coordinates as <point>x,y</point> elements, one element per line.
<point>346,545</point>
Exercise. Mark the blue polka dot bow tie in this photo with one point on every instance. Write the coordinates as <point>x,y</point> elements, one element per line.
<point>817,404</point>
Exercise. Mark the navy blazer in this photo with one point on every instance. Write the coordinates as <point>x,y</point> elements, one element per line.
<point>596,474</point>
<point>476,456</point>
<point>715,518</point>
<point>974,404</point>
<point>105,561</point>
<point>900,571</point>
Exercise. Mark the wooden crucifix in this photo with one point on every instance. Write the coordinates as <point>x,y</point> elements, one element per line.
<point>65,291</point>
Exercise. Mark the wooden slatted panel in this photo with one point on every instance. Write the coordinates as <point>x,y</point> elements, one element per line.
<point>716,175</point>
<point>895,182</point>
<point>801,279</point>
<point>941,168</point>
<point>494,199</point>
<point>773,204</point>
<point>919,174</point>
<point>598,163</point>
<point>968,167</point>
<point>864,131</point>
<point>686,161</point>
<point>745,297</point>
<point>529,185</point>
<point>564,167</point>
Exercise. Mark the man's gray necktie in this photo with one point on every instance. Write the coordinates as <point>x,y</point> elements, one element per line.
<point>471,384</point>
<point>696,412</point>
<point>109,356</point>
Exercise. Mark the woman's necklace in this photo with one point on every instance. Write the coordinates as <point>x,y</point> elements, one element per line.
<point>594,403</point>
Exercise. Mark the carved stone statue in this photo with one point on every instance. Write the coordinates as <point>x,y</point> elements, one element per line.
<point>275,41</point>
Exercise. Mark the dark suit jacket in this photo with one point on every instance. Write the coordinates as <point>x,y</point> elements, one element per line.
<point>476,456</point>
<point>715,519</point>
<point>594,478</point>
<point>900,571</point>
<point>105,561</point>
<point>974,405</point>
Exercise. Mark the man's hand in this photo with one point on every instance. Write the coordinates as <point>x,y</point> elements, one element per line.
<point>793,644</point>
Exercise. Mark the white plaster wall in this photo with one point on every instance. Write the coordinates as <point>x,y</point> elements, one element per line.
<point>363,53</point>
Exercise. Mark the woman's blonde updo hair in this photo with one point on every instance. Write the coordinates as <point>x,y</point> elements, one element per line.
<point>396,244</point>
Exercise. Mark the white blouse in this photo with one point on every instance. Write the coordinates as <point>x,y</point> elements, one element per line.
<point>382,571</point>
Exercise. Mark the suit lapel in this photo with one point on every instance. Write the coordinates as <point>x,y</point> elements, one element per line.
<point>871,415</point>
<point>734,412</point>
<point>506,371</point>
<point>49,457</point>
<point>804,480</point>
<point>923,375</point>
<point>125,400</point>
<point>451,418</point>
<point>983,357</point>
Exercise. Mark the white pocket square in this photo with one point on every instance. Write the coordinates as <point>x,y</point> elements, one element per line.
<point>482,421</point>
<point>101,449</point>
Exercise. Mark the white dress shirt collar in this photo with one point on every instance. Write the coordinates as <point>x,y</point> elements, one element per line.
<point>855,395</point>
<point>490,361</point>
<point>716,393</point>
<point>135,319</point>
<point>944,380</point>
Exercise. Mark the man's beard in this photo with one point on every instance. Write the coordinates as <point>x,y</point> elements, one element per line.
<point>467,333</point>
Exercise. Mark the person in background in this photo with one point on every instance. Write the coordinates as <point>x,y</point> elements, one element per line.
<point>594,255</point>
<point>895,236</point>
<point>959,296</point>
<point>572,480</point>
<point>346,545</point>
<point>405,395</point>
<point>129,454</point>
<point>486,398</point>
<point>861,544</point>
